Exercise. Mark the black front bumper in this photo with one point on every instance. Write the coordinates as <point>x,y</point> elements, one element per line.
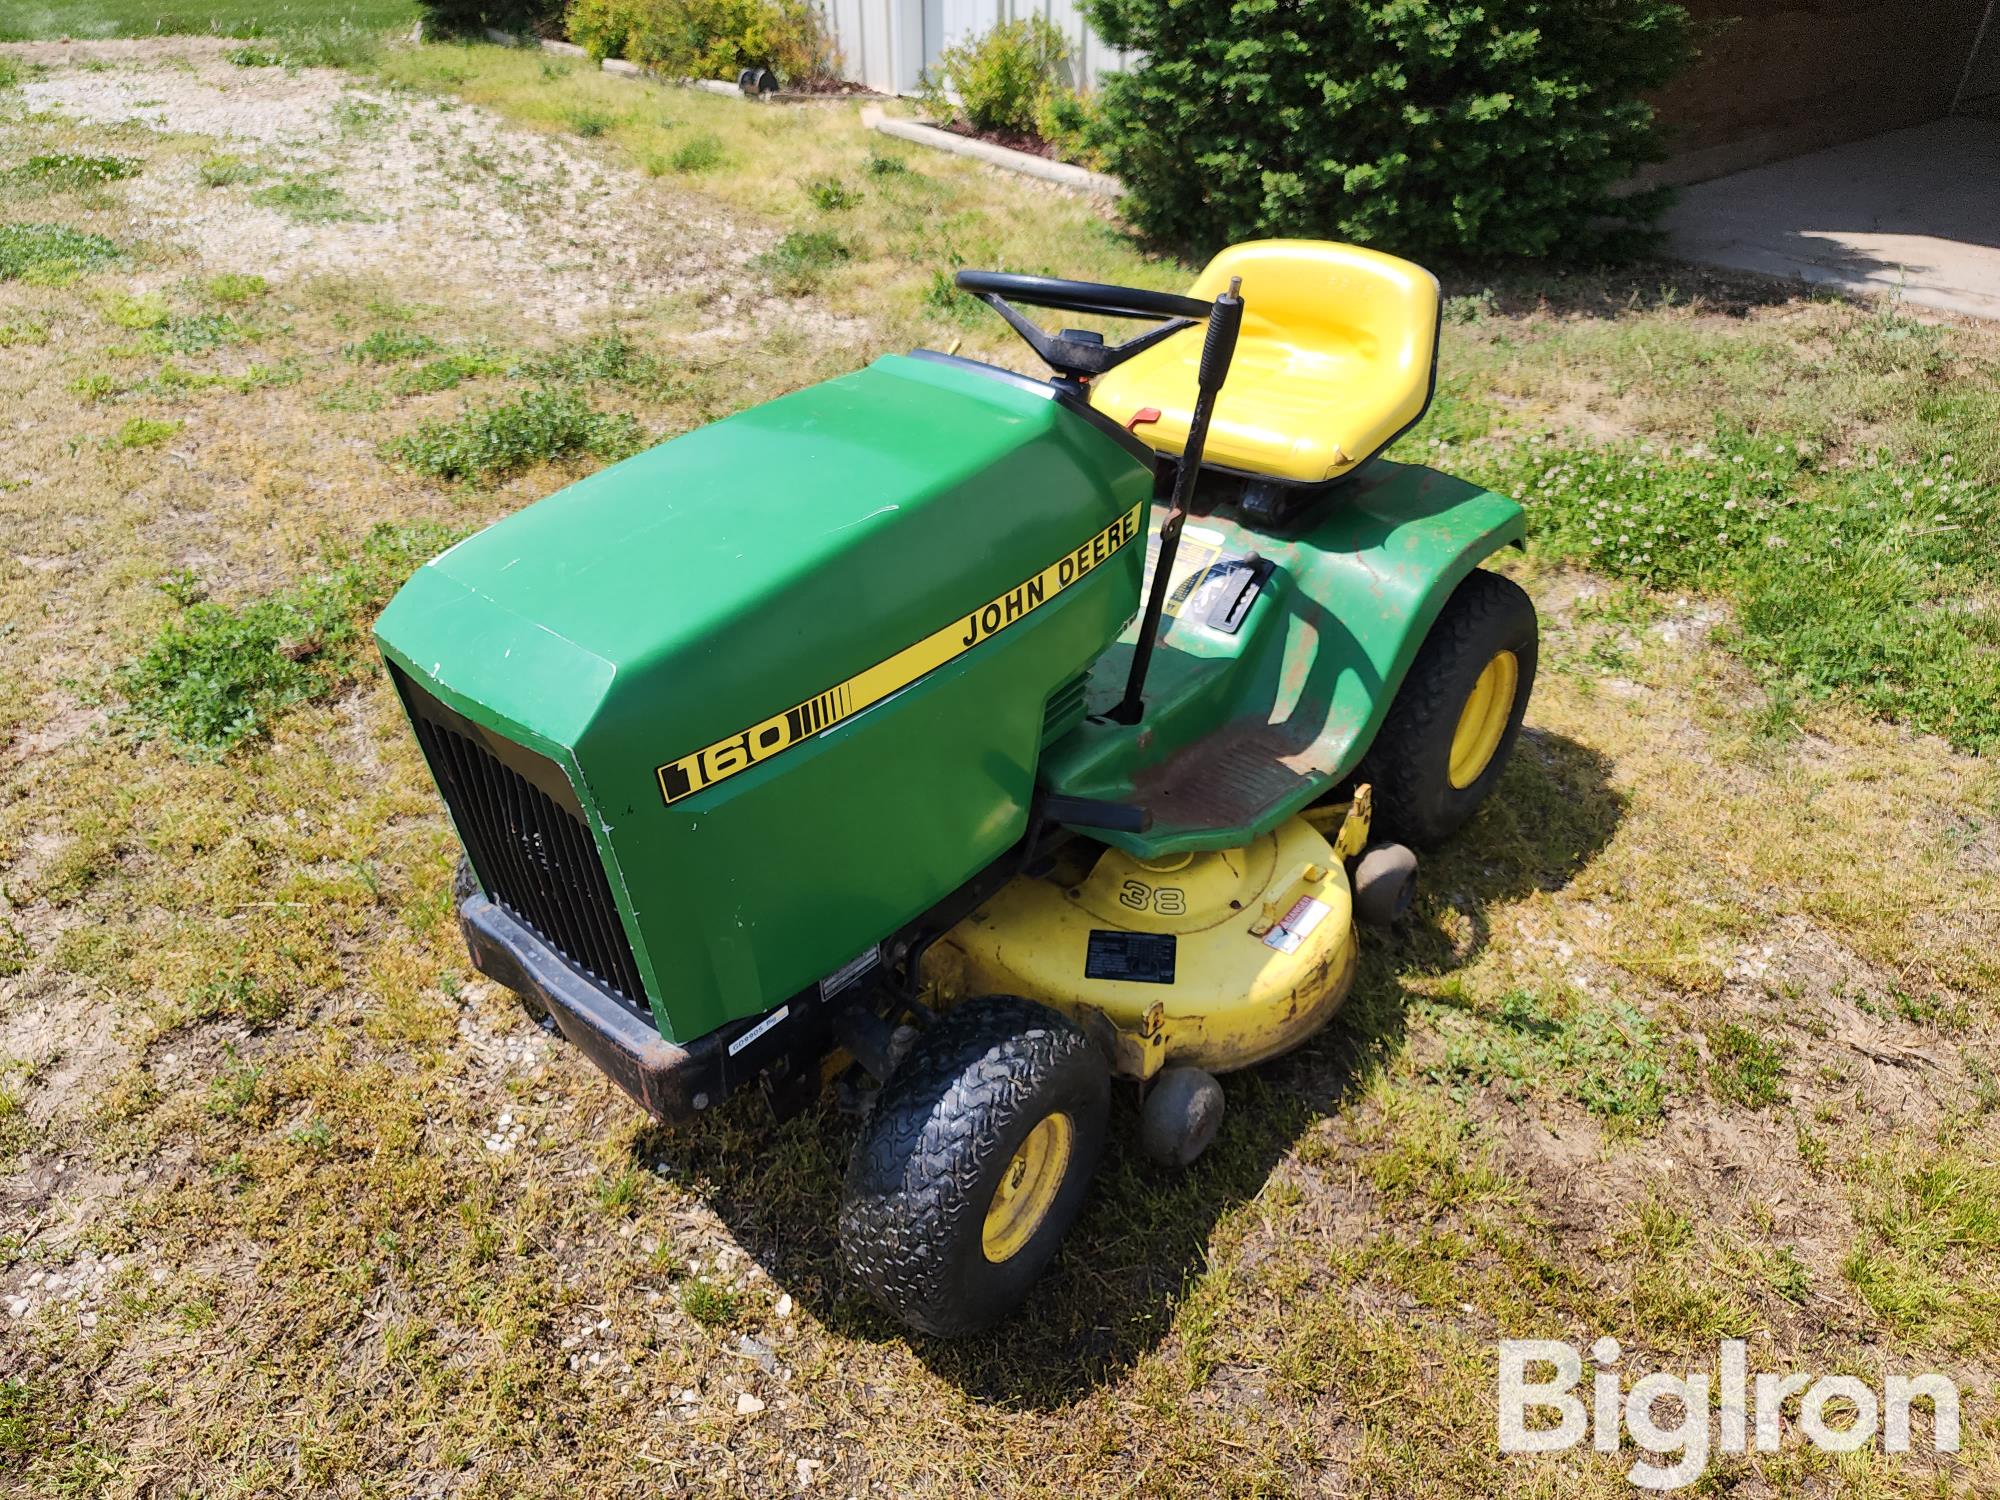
<point>667,1080</point>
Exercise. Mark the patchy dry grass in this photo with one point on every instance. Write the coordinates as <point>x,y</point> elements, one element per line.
<point>1691,1035</point>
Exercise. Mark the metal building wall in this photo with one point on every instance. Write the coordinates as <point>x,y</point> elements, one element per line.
<point>886,44</point>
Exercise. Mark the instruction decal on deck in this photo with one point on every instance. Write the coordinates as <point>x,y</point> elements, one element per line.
<point>1296,925</point>
<point>702,769</point>
<point>1135,957</point>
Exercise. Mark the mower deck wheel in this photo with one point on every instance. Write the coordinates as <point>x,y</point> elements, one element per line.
<point>974,1163</point>
<point>1385,882</point>
<point>1182,1113</point>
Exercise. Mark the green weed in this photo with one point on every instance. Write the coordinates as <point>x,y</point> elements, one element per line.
<point>1745,1068</point>
<point>1931,1234</point>
<point>1607,1059</point>
<point>311,202</point>
<point>13,949</point>
<point>590,123</point>
<point>448,372</point>
<point>236,995</point>
<point>619,1193</point>
<point>697,153</point>
<point>830,194</point>
<point>946,299</point>
<point>148,310</point>
<point>611,359</point>
<point>143,432</point>
<point>491,442</point>
<point>69,170</point>
<point>194,333</point>
<point>233,288</point>
<point>227,171</point>
<point>29,1419</point>
<point>708,1304</point>
<point>387,346</point>
<point>798,262</point>
<point>253,57</point>
<point>230,1093</point>
<point>884,166</point>
<point>217,674</point>
<point>51,254</point>
<point>358,117</point>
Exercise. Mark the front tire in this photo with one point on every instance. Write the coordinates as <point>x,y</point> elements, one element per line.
<point>974,1163</point>
<point>1454,721</point>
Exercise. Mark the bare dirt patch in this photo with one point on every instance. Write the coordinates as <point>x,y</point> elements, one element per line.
<point>340,177</point>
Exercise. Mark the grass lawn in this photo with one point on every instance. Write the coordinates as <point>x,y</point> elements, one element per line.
<point>25,20</point>
<point>1691,1034</point>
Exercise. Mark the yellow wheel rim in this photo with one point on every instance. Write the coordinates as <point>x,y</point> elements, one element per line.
<point>1027,1188</point>
<point>1483,720</point>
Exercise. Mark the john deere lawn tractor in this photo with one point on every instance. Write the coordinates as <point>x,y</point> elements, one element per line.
<point>970,740</point>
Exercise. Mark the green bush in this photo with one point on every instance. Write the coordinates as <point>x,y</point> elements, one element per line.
<point>1426,126</point>
<point>1000,80</point>
<point>705,38</point>
<point>1073,124</point>
<point>470,17</point>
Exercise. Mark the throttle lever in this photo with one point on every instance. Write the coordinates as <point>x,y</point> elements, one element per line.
<point>1225,322</point>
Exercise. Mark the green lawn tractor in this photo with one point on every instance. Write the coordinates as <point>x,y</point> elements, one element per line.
<point>970,740</point>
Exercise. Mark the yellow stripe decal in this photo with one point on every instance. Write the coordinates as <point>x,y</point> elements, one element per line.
<point>704,768</point>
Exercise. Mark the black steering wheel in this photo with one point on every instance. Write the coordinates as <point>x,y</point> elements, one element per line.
<point>1074,354</point>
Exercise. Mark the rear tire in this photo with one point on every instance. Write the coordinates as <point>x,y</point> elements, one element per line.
<point>973,1165</point>
<point>1446,740</point>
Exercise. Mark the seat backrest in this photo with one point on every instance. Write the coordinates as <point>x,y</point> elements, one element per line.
<point>1338,300</point>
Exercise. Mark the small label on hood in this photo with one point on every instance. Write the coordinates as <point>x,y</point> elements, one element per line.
<point>850,971</point>
<point>759,1029</point>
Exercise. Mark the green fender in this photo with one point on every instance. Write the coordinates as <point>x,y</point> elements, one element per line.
<point>1242,730</point>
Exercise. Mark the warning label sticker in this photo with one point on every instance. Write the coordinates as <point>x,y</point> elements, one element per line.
<point>1296,925</point>
<point>1207,585</point>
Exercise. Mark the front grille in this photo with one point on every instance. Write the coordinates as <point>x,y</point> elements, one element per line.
<point>533,856</point>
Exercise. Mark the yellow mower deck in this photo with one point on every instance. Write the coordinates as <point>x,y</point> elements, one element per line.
<point>1218,959</point>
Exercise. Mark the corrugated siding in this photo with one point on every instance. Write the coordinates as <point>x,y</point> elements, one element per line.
<point>864,33</point>
<point>886,44</point>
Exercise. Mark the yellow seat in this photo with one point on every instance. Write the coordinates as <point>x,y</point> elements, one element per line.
<point>1337,357</point>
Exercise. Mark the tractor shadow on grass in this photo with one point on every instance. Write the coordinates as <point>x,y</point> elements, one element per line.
<point>1136,1253</point>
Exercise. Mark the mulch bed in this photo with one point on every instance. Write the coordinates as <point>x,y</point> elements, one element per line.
<point>1013,140</point>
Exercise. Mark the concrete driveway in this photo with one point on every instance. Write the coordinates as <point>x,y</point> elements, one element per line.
<point>1915,213</point>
